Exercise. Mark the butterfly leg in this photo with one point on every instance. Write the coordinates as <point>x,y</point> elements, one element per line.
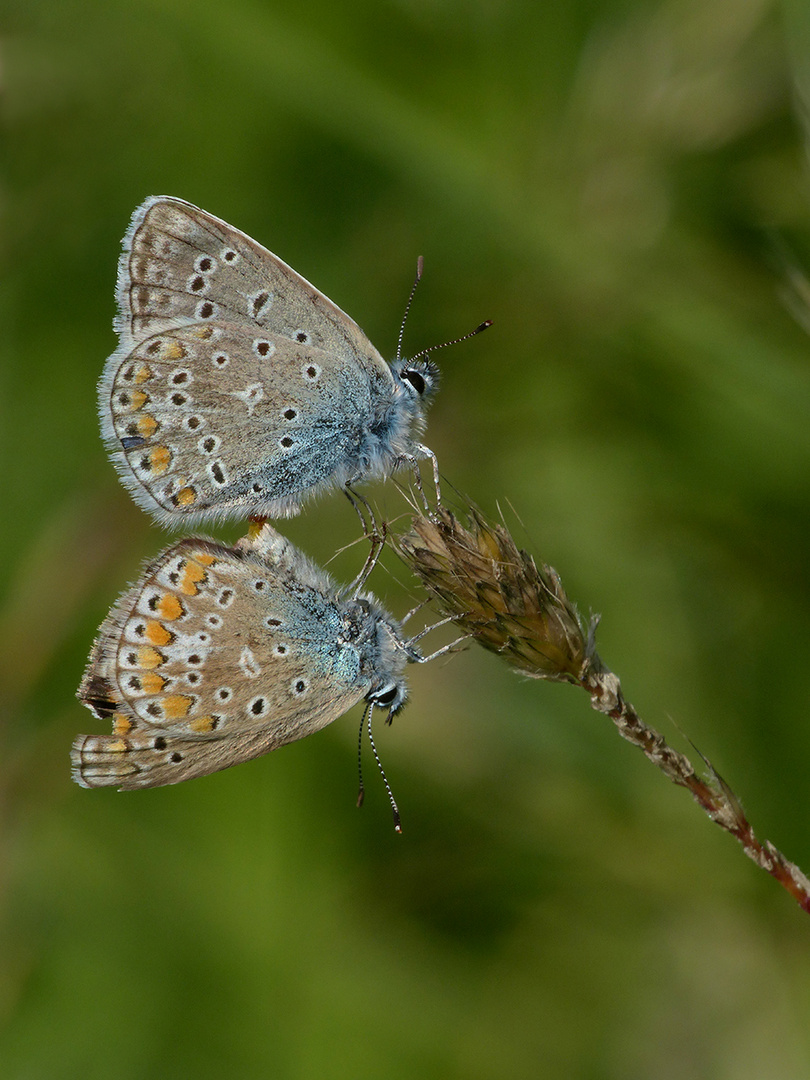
<point>416,657</point>
<point>375,534</point>
<point>429,453</point>
<point>451,648</point>
<point>410,614</point>
<point>413,463</point>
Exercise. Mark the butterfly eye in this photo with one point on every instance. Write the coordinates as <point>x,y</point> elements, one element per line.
<point>415,379</point>
<point>386,695</point>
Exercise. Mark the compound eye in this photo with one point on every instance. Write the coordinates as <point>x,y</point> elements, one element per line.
<point>386,695</point>
<point>415,379</point>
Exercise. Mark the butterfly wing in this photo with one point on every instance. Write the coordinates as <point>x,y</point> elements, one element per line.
<point>215,656</point>
<point>215,420</point>
<point>238,388</point>
<point>178,260</point>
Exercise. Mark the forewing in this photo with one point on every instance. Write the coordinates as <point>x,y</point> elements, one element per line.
<point>181,263</point>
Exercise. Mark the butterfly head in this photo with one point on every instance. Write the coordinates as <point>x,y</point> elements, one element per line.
<point>389,695</point>
<point>379,640</point>
<point>419,379</point>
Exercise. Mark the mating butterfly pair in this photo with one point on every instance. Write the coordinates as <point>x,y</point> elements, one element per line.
<point>237,389</point>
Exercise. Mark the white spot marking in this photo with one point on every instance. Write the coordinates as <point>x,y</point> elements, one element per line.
<point>251,396</point>
<point>248,664</point>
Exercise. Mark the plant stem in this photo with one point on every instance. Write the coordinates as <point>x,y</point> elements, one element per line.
<point>499,596</point>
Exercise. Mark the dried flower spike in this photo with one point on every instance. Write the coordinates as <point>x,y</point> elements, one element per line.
<point>497,594</point>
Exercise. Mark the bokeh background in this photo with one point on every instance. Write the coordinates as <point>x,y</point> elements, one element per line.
<point>623,188</point>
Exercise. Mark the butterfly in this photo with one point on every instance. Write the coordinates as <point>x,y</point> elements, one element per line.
<point>220,654</point>
<point>237,388</point>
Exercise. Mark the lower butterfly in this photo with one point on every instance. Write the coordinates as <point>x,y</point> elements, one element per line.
<point>218,655</point>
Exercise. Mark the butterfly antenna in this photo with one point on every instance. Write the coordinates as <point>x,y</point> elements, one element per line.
<point>456,341</point>
<point>391,799</point>
<point>361,791</point>
<point>420,265</point>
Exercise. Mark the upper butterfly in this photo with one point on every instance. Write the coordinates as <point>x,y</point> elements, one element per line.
<point>237,389</point>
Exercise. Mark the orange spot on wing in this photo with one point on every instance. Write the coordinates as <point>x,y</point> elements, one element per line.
<point>205,559</point>
<point>122,725</point>
<point>173,350</point>
<point>149,658</point>
<point>175,706</point>
<point>186,496</point>
<point>152,683</point>
<point>146,425</point>
<point>170,607</point>
<point>159,460</point>
<point>157,633</point>
<point>143,374</point>
<point>192,574</point>
<point>130,401</point>
<point>203,723</point>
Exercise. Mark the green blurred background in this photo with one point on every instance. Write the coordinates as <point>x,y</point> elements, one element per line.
<point>622,187</point>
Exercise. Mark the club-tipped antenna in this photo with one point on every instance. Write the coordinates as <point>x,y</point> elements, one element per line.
<point>420,265</point>
<point>361,790</point>
<point>361,793</point>
<point>456,341</point>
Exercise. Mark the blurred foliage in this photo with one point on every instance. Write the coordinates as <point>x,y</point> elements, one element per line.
<point>622,188</point>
